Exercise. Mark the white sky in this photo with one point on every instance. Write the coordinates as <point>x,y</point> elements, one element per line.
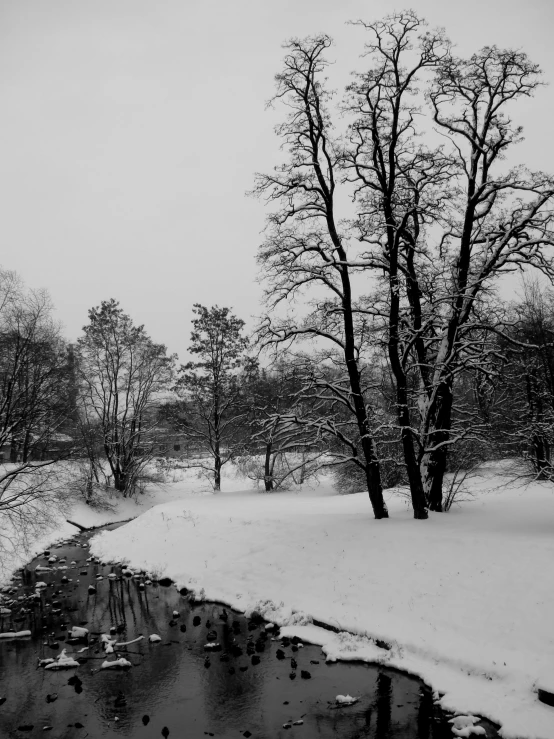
<point>131,129</point>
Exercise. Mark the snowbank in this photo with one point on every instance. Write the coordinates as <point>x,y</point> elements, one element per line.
<point>181,483</point>
<point>465,600</point>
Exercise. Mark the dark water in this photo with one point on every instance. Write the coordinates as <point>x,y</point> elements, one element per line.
<point>171,684</point>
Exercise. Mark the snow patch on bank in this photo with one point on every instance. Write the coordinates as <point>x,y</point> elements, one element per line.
<point>116,508</point>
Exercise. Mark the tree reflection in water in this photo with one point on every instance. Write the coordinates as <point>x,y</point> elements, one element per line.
<point>170,682</point>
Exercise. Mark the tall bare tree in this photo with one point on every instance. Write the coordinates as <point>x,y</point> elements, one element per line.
<point>499,219</point>
<point>122,375</point>
<point>400,188</point>
<point>306,247</point>
<point>442,223</point>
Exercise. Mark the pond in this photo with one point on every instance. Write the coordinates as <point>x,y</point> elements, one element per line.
<point>251,683</point>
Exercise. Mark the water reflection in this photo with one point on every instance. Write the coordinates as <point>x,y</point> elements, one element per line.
<point>175,683</point>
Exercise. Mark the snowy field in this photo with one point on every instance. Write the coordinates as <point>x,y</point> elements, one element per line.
<point>464,600</point>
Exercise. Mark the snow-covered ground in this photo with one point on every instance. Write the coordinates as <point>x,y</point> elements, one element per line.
<point>465,600</point>
<point>117,509</point>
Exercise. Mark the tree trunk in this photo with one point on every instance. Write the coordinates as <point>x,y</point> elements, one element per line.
<point>217,469</point>
<point>120,481</point>
<point>541,456</point>
<point>373,469</point>
<point>26,446</point>
<point>434,462</point>
<point>436,467</point>
<point>268,477</point>
<point>14,450</point>
<point>419,500</point>
<point>375,489</point>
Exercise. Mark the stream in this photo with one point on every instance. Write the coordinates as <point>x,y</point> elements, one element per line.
<point>251,683</point>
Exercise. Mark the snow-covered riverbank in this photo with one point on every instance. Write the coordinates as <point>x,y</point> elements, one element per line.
<point>465,600</point>
<point>16,550</point>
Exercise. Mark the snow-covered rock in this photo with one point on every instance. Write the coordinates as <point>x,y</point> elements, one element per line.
<point>118,664</point>
<point>346,700</point>
<point>78,632</point>
<point>62,662</point>
<point>212,647</point>
<point>464,726</point>
<point>15,634</point>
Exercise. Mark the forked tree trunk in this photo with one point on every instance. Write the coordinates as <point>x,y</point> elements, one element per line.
<point>120,481</point>
<point>419,500</point>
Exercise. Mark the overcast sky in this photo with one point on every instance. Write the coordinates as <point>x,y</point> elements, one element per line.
<point>131,129</point>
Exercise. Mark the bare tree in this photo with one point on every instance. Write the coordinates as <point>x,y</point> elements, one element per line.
<point>521,403</point>
<point>33,371</point>
<point>400,186</point>
<point>282,448</point>
<point>122,373</point>
<point>306,246</point>
<point>213,410</point>
<point>499,219</point>
<point>33,413</point>
<point>442,223</point>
